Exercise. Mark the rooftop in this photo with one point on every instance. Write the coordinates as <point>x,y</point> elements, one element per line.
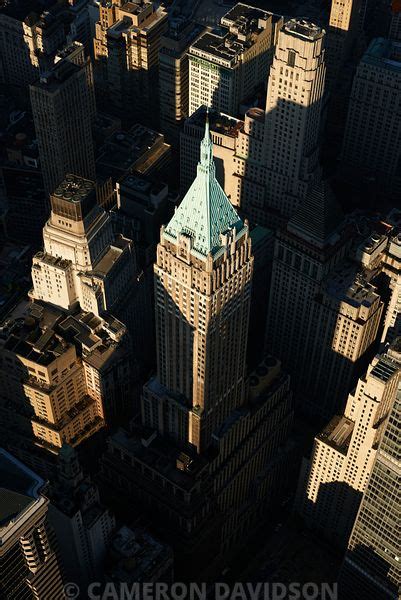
<point>385,369</point>
<point>384,53</point>
<point>218,122</point>
<point>221,45</point>
<point>159,455</point>
<point>338,433</point>
<point>124,151</point>
<point>136,554</point>
<point>349,285</point>
<point>19,488</point>
<point>304,29</point>
<point>244,15</point>
<point>45,332</point>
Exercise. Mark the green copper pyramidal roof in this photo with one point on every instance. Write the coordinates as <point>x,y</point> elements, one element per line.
<point>205,212</point>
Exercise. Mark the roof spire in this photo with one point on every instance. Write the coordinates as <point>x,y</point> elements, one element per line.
<point>207,145</point>
<point>205,212</point>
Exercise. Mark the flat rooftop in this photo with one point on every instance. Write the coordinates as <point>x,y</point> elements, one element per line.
<point>45,332</point>
<point>19,487</point>
<point>303,29</point>
<point>122,149</point>
<point>338,433</point>
<point>243,13</point>
<point>110,257</point>
<point>384,54</point>
<point>218,122</point>
<point>351,286</point>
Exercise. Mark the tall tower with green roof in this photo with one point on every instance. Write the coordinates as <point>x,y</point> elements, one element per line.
<point>202,283</point>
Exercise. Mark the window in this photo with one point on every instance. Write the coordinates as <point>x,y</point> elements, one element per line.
<point>291,58</point>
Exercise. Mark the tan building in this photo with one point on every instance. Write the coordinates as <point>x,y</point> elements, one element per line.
<point>225,68</point>
<point>372,155</point>
<point>174,75</point>
<point>371,567</point>
<point>127,44</point>
<point>82,261</point>
<point>333,480</point>
<point>63,108</point>
<point>28,43</point>
<point>293,117</point>
<point>344,29</point>
<point>210,454</point>
<point>29,566</point>
<point>62,379</point>
<point>331,305</point>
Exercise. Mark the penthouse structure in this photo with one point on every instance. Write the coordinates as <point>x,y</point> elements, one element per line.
<point>372,155</point>
<point>225,66</point>
<point>335,478</point>
<point>29,566</point>
<point>126,47</point>
<point>63,377</point>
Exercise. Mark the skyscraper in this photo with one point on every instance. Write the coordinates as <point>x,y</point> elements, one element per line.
<point>127,43</point>
<point>63,378</point>
<point>226,67</point>
<point>83,526</point>
<point>371,156</point>
<point>211,310</point>
<point>371,568</point>
<point>174,75</point>
<point>324,311</point>
<point>29,567</point>
<point>209,455</point>
<point>29,41</point>
<point>344,28</point>
<point>337,473</point>
<point>63,109</point>
<point>293,113</point>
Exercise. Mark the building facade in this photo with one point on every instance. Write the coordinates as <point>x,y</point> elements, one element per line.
<point>293,117</point>
<point>224,68</point>
<point>82,261</point>
<point>126,52</point>
<point>344,29</point>
<point>372,155</point>
<point>332,307</point>
<point>63,108</point>
<point>335,478</point>
<point>209,454</point>
<point>63,378</point>
<point>28,43</point>
<point>371,565</point>
<point>174,75</point>
<point>83,526</point>
<point>29,566</point>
